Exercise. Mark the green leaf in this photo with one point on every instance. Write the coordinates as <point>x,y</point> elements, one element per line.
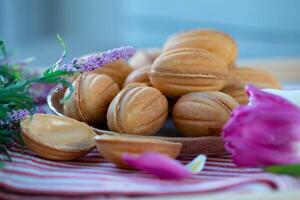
<point>9,75</point>
<point>14,94</point>
<point>59,61</point>
<point>5,139</point>
<point>3,48</point>
<point>4,152</point>
<point>66,98</point>
<point>20,141</point>
<point>3,111</point>
<point>293,169</point>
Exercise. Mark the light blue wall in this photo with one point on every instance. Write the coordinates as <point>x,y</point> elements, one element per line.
<point>263,28</point>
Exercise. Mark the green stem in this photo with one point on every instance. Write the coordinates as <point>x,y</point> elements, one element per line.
<point>3,48</point>
<point>292,169</point>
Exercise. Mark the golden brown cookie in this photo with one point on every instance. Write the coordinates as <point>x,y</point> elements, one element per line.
<point>137,109</point>
<point>91,98</point>
<point>219,43</point>
<point>202,113</point>
<point>181,71</point>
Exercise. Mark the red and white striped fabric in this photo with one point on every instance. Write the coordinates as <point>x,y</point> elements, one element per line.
<point>31,177</point>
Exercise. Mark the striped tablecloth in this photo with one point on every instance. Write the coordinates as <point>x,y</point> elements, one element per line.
<point>91,177</point>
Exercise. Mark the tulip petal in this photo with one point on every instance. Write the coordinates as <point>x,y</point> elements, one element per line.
<point>258,96</point>
<point>157,164</point>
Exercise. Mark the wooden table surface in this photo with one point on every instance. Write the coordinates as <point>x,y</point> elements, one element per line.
<point>288,195</point>
<point>286,70</point>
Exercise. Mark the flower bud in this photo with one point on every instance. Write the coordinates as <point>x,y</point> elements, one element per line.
<point>265,132</point>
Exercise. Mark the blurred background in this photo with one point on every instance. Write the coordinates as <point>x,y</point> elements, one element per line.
<point>262,28</point>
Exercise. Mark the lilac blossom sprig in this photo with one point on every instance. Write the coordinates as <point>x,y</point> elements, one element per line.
<point>98,60</point>
<point>95,61</point>
<point>17,115</point>
<point>13,117</point>
<point>10,132</point>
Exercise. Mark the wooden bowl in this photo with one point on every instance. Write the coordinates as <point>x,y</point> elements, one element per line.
<point>209,145</point>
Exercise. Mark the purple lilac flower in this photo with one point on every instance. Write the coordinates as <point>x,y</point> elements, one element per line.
<point>17,115</point>
<point>98,60</point>
<point>14,116</point>
<point>95,61</point>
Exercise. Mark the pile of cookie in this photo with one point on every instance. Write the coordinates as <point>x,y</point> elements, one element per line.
<point>193,80</point>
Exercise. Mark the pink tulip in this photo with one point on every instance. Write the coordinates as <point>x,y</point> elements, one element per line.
<point>158,164</point>
<point>265,132</point>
